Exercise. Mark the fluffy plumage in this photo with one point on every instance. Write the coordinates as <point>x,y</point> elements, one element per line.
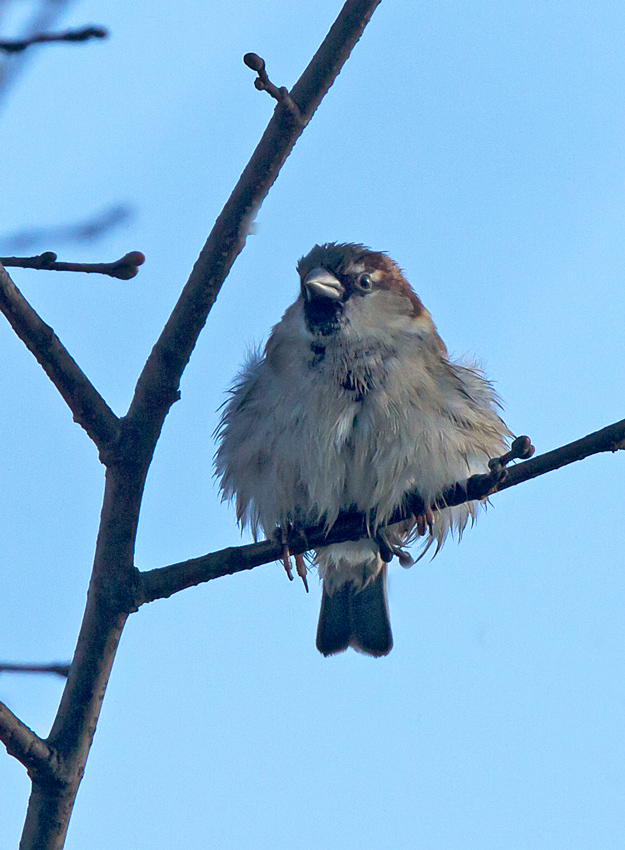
<point>354,403</point>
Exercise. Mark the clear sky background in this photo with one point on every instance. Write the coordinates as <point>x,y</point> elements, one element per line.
<point>482,145</point>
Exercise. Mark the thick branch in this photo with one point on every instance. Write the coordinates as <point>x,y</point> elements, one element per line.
<point>24,745</point>
<point>165,581</point>
<point>157,388</point>
<point>109,600</point>
<point>87,405</point>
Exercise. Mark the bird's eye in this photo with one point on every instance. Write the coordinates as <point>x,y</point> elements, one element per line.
<point>365,283</point>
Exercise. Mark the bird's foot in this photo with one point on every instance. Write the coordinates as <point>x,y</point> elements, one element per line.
<point>483,486</point>
<point>425,522</point>
<point>289,533</point>
<point>388,550</point>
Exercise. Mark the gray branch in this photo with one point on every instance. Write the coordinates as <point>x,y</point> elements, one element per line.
<point>87,405</point>
<point>22,743</point>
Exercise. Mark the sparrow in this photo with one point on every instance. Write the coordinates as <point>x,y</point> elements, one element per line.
<point>353,404</point>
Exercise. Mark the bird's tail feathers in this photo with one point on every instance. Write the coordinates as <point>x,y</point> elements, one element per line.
<point>357,617</point>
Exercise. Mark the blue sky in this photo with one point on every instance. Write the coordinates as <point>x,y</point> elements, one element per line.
<point>482,146</point>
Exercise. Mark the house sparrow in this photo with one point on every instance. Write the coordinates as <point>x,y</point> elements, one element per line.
<point>353,404</point>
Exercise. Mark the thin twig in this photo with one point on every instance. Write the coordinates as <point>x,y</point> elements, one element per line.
<point>87,405</point>
<point>59,669</point>
<point>608,439</point>
<point>123,269</point>
<point>44,18</point>
<point>84,34</point>
<point>263,83</point>
<point>165,581</point>
<point>24,745</point>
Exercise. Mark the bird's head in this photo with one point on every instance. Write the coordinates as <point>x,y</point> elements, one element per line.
<point>346,288</point>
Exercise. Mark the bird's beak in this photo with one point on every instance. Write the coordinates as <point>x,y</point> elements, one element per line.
<point>320,283</point>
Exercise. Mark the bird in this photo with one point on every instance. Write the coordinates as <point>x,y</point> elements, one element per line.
<point>353,404</point>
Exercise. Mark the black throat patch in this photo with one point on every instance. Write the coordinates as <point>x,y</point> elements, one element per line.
<point>322,316</point>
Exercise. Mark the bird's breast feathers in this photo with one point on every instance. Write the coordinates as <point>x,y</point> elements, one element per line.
<point>321,424</point>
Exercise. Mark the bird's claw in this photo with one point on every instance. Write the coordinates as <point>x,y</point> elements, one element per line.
<point>286,554</point>
<point>286,562</point>
<point>386,550</point>
<point>425,522</point>
<point>300,564</point>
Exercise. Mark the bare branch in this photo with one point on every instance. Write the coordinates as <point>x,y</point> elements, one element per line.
<point>24,745</point>
<point>263,83</point>
<point>165,581</point>
<point>84,34</point>
<point>43,19</point>
<point>608,439</point>
<point>157,388</point>
<point>58,669</point>
<point>113,587</point>
<point>87,405</point>
<point>124,268</point>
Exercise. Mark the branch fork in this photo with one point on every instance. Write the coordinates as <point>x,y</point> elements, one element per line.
<point>115,588</point>
<point>263,83</point>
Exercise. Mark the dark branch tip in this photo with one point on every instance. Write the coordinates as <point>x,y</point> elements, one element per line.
<point>128,266</point>
<point>522,448</point>
<point>254,61</point>
<point>88,32</point>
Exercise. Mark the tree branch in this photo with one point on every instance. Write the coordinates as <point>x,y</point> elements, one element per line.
<point>83,34</point>
<point>123,269</point>
<point>87,405</point>
<point>24,745</point>
<point>165,581</point>
<point>263,83</point>
<point>113,586</point>
<point>58,669</point>
<point>158,385</point>
<point>608,439</point>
